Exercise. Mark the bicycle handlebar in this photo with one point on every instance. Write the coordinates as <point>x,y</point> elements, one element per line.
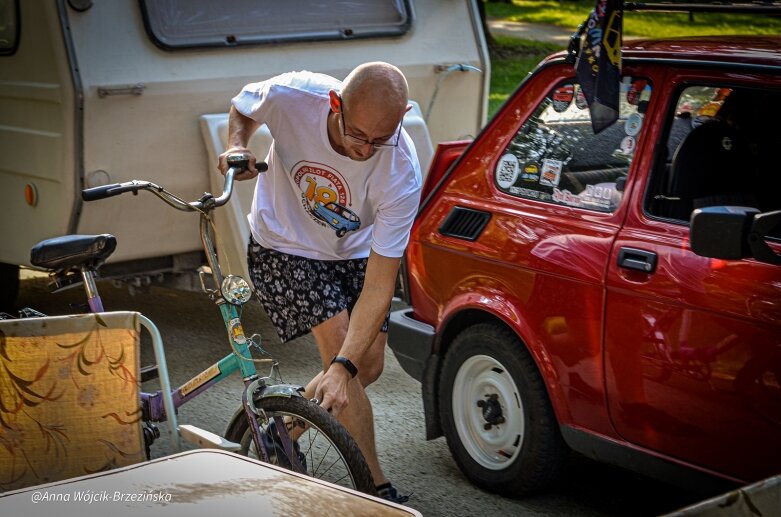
<point>236,164</point>
<point>104,191</point>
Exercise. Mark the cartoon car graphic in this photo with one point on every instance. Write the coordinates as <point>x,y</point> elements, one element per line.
<point>338,217</point>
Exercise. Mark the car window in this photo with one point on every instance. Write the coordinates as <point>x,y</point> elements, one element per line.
<point>201,23</point>
<point>9,26</point>
<point>557,158</point>
<point>721,149</point>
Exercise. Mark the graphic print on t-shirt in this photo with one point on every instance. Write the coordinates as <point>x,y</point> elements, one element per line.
<point>325,195</point>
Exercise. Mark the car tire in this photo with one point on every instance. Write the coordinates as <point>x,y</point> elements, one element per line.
<point>496,414</point>
<point>9,286</point>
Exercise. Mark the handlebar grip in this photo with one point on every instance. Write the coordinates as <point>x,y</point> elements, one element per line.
<point>104,191</point>
<point>238,161</point>
<point>241,163</point>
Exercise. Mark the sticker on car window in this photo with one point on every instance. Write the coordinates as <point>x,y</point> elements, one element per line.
<point>628,145</point>
<point>580,99</point>
<point>600,196</point>
<point>507,171</point>
<point>531,173</point>
<point>551,173</point>
<point>529,193</point>
<point>633,124</point>
<point>562,97</point>
<point>633,96</point>
<point>566,197</point>
<point>645,95</point>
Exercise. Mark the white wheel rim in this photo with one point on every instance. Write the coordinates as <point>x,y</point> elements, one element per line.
<point>483,378</point>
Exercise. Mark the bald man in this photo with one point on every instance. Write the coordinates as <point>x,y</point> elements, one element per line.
<point>329,223</point>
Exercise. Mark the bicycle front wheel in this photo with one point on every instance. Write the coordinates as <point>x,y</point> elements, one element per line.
<point>325,449</point>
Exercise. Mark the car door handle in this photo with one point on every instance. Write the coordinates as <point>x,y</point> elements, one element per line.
<point>638,260</point>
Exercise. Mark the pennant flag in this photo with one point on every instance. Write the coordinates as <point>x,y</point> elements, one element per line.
<point>598,66</point>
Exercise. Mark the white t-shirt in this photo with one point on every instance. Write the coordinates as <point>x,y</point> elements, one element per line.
<point>313,202</point>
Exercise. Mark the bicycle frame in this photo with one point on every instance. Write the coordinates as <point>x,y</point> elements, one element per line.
<point>161,405</point>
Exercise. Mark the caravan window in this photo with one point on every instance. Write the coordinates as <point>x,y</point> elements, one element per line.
<point>176,24</point>
<point>9,26</point>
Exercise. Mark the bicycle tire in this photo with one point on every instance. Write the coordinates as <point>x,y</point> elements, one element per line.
<point>326,427</point>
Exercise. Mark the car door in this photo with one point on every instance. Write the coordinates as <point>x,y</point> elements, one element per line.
<point>692,344</point>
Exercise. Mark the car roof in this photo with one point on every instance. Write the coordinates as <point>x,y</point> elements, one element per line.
<point>758,50</point>
<point>740,50</point>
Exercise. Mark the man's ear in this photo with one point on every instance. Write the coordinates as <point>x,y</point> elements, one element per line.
<point>335,101</point>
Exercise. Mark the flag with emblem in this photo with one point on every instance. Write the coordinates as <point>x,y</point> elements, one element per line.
<point>598,66</point>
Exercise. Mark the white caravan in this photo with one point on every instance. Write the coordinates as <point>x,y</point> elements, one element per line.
<point>99,92</point>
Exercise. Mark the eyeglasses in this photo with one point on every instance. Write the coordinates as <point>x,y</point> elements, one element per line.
<point>389,142</point>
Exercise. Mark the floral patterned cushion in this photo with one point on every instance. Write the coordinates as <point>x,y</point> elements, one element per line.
<point>69,397</point>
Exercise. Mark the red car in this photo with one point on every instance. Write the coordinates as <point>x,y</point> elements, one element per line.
<point>556,301</point>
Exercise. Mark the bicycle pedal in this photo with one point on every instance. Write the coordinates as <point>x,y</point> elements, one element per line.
<point>206,439</point>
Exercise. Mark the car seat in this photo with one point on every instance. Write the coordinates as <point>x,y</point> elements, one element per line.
<point>712,166</point>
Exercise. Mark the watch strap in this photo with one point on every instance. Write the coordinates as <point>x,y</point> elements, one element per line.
<point>346,363</point>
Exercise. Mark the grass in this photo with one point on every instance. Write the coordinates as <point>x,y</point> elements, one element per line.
<point>571,13</point>
<point>512,59</point>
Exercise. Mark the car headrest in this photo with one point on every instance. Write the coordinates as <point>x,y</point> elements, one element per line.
<point>711,160</point>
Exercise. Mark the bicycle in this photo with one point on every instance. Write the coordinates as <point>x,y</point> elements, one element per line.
<point>270,409</point>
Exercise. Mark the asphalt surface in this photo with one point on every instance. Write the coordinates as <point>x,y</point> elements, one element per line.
<point>194,338</point>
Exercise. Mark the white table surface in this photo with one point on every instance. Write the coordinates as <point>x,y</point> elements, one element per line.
<point>195,483</point>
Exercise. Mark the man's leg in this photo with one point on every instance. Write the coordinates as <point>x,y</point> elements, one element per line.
<point>357,417</point>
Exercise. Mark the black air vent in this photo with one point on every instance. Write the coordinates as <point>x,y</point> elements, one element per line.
<point>464,223</point>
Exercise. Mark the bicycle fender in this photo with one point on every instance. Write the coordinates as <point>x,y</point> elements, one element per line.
<point>277,390</point>
<point>281,390</point>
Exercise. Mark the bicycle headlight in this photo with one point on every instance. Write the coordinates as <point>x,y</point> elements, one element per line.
<point>235,290</point>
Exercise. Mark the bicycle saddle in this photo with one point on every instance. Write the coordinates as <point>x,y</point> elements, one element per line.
<point>73,251</point>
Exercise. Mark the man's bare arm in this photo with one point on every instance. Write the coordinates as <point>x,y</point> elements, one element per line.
<point>240,130</point>
<point>365,322</point>
<point>372,305</point>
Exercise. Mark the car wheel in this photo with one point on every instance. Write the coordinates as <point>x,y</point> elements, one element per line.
<point>496,414</point>
<point>340,232</point>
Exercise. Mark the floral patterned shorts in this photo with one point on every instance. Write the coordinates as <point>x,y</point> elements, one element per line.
<point>299,293</point>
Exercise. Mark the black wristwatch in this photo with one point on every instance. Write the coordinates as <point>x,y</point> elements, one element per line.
<point>346,363</point>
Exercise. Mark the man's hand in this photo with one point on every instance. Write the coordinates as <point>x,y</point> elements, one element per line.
<point>248,174</point>
<point>332,389</point>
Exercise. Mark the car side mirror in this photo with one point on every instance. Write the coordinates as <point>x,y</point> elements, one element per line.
<point>733,233</point>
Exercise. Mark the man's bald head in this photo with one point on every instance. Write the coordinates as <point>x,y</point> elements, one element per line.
<point>369,109</point>
<point>376,86</point>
